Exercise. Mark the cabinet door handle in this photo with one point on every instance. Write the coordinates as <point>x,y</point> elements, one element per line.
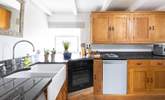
<point>153,27</point>
<point>150,28</point>
<point>110,28</point>
<point>147,80</point>
<point>151,80</point>
<point>113,28</point>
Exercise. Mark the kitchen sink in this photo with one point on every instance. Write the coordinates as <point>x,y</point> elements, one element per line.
<point>38,70</point>
<point>29,74</point>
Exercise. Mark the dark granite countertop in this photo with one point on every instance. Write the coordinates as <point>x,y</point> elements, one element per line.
<point>11,70</point>
<point>22,89</point>
<point>130,55</point>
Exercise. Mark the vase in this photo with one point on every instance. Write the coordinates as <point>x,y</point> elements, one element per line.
<point>67,55</point>
<point>46,58</point>
<point>52,57</point>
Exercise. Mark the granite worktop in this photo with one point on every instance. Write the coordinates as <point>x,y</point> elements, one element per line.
<point>22,88</point>
<point>130,55</point>
<point>25,88</point>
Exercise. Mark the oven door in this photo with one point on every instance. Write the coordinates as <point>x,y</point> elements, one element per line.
<point>80,78</point>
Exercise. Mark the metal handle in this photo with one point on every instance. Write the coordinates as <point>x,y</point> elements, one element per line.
<point>110,28</point>
<point>151,80</point>
<point>153,27</point>
<point>150,28</point>
<point>113,28</point>
<point>147,80</point>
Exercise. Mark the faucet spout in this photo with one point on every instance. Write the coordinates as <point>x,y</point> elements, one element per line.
<point>21,42</point>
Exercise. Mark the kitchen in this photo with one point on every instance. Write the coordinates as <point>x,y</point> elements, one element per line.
<point>81,49</point>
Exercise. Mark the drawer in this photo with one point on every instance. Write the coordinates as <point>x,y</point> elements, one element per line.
<point>138,63</point>
<point>157,63</point>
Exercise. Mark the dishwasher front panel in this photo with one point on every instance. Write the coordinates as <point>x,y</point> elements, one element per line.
<point>115,77</point>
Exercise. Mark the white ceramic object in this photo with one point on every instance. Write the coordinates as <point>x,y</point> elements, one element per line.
<point>56,71</point>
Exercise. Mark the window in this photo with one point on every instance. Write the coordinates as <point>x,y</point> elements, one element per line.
<point>71,35</point>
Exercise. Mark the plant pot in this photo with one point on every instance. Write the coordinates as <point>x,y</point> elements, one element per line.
<point>46,58</point>
<point>52,57</point>
<point>67,55</point>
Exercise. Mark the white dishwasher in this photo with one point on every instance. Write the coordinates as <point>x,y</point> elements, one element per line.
<point>115,77</point>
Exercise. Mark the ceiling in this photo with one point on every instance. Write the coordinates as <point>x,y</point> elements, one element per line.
<point>77,6</point>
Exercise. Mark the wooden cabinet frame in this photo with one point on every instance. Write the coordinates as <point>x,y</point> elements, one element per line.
<point>140,27</point>
<point>146,76</point>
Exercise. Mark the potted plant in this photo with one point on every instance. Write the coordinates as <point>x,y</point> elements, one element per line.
<point>46,55</point>
<point>67,54</point>
<point>53,52</point>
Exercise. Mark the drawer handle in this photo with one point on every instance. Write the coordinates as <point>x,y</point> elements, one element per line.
<point>139,63</point>
<point>159,63</point>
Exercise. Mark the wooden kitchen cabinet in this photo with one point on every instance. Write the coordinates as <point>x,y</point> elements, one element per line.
<point>141,27</point>
<point>138,76</point>
<point>4,18</point>
<point>98,77</point>
<point>127,27</point>
<point>158,28</point>
<point>110,28</point>
<point>158,76</point>
<point>146,76</point>
<point>120,28</point>
<point>100,28</point>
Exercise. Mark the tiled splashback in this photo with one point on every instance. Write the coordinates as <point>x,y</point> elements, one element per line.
<point>8,65</point>
<point>122,48</point>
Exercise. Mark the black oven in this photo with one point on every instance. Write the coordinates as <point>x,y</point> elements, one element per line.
<point>80,74</point>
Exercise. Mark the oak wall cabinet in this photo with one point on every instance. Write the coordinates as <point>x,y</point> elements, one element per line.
<point>127,27</point>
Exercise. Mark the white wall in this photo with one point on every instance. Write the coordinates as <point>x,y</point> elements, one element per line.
<point>35,30</point>
<point>63,20</point>
<point>35,26</point>
<point>82,20</point>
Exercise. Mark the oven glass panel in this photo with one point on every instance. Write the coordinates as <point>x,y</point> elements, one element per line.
<point>80,77</point>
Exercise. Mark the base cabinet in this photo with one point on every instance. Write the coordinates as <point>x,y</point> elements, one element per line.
<point>63,93</point>
<point>146,76</point>
<point>138,80</point>
<point>98,77</point>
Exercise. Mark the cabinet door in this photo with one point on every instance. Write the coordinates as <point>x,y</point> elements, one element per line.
<point>100,27</point>
<point>138,80</point>
<point>158,76</point>
<point>159,30</point>
<point>98,77</point>
<point>138,72</point>
<point>120,28</point>
<point>158,80</point>
<point>141,28</point>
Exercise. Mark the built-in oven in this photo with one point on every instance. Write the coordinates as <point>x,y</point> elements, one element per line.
<point>80,74</point>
